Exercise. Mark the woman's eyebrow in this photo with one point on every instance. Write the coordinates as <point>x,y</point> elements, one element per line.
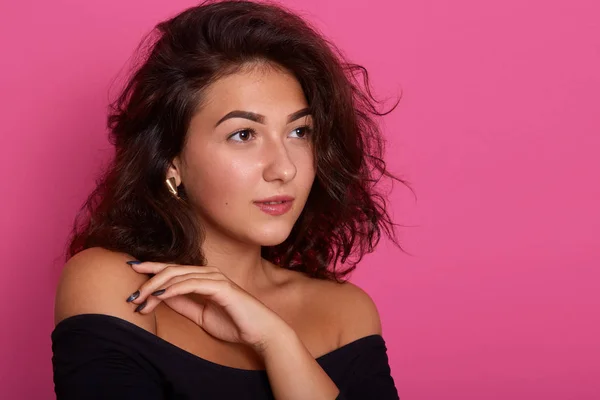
<point>261,118</point>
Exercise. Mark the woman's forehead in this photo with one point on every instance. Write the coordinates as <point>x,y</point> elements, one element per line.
<point>272,95</point>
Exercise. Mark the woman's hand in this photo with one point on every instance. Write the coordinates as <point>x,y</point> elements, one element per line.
<point>225,310</point>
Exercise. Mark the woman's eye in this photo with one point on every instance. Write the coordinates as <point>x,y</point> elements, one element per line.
<point>244,135</point>
<point>303,131</point>
<point>247,134</point>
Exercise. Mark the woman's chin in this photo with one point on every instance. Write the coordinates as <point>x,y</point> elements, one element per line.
<point>271,237</point>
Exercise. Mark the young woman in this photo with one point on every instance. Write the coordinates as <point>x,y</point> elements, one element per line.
<point>205,265</point>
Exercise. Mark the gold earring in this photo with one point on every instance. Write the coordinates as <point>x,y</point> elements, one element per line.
<point>172,185</point>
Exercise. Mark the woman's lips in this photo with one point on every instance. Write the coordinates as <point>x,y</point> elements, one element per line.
<point>277,208</point>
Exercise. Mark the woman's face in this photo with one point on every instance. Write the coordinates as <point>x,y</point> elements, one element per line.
<point>247,143</point>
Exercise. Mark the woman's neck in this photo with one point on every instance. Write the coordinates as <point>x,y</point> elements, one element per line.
<point>242,263</point>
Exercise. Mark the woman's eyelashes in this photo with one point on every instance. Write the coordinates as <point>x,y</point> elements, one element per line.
<point>248,134</point>
<point>243,135</point>
<point>306,129</point>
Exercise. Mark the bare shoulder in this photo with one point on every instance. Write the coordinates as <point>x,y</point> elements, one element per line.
<point>97,281</point>
<point>353,310</point>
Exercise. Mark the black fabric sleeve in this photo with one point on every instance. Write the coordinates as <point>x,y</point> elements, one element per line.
<point>367,374</point>
<point>95,361</point>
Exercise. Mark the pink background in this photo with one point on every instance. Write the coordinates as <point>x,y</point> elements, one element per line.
<point>498,131</point>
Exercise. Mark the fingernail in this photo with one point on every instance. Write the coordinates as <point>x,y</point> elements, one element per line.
<point>159,292</point>
<point>134,262</point>
<point>141,306</point>
<point>133,296</point>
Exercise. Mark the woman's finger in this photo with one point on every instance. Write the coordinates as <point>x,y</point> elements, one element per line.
<point>163,281</point>
<point>150,267</point>
<point>187,307</point>
<point>163,272</point>
<point>202,286</point>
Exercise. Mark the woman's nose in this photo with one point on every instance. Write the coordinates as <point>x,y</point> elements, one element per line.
<point>279,165</point>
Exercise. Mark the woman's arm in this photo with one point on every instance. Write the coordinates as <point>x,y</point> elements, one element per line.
<point>295,374</point>
<point>234,315</point>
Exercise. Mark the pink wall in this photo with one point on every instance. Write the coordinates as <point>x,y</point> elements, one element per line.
<point>498,131</point>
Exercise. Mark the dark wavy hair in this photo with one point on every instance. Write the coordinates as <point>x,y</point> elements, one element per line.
<point>131,210</point>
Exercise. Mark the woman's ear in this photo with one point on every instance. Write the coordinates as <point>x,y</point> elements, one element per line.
<point>174,171</point>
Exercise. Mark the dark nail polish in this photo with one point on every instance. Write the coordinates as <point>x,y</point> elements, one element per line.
<point>133,296</point>
<point>159,292</point>
<point>141,306</point>
<point>134,262</point>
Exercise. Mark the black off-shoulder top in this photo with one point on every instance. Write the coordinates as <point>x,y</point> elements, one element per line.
<point>101,357</point>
